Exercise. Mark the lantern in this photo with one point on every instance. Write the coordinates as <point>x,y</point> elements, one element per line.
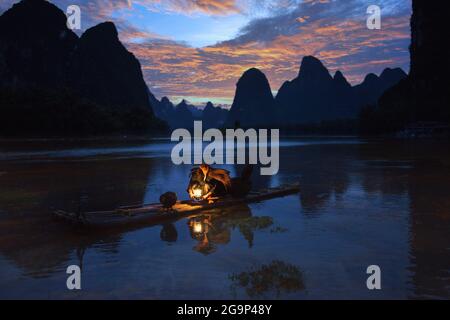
<point>200,191</point>
<point>197,193</point>
<point>198,227</point>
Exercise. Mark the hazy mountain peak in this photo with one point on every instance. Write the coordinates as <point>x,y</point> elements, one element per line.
<point>253,102</point>
<point>252,74</point>
<point>370,78</point>
<point>165,100</point>
<point>338,75</point>
<point>312,67</point>
<point>182,104</point>
<point>395,74</point>
<point>340,79</point>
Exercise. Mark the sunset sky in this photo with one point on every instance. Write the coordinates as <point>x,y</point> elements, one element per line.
<point>198,49</point>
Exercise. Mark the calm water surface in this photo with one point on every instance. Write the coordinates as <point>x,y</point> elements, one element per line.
<point>361,203</point>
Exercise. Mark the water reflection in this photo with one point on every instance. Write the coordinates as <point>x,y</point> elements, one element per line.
<point>360,203</point>
<point>30,192</point>
<point>269,280</point>
<point>422,171</point>
<point>211,230</point>
<point>169,233</point>
<point>323,172</point>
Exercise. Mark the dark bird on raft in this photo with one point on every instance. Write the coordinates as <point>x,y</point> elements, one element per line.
<point>168,200</point>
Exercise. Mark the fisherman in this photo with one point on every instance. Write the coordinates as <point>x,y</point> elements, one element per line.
<point>216,183</point>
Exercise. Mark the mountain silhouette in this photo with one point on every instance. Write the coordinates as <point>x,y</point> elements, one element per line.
<point>214,117</point>
<point>195,111</point>
<point>102,70</point>
<point>344,96</point>
<point>423,96</point>
<point>253,103</point>
<point>315,96</point>
<point>309,97</point>
<point>163,109</point>
<point>35,45</point>
<point>178,116</point>
<point>54,83</point>
<point>341,83</point>
<point>370,90</point>
<point>183,117</point>
<point>430,61</point>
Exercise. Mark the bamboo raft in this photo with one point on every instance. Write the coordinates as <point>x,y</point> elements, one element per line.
<point>156,214</point>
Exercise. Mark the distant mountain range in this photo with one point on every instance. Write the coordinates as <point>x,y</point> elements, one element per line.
<point>313,96</point>
<point>183,115</point>
<point>54,82</point>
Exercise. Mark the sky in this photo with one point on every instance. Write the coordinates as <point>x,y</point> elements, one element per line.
<point>198,49</point>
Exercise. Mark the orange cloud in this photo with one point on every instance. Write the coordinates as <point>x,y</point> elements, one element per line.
<point>212,7</point>
<point>303,19</point>
<point>175,69</point>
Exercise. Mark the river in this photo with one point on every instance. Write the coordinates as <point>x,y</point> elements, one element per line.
<point>362,203</point>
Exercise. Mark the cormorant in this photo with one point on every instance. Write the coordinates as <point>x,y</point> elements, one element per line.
<point>168,200</point>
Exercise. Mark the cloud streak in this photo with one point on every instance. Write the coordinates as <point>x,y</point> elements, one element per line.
<point>215,7</point>
<point>276,45</point>
<point>275,40</point>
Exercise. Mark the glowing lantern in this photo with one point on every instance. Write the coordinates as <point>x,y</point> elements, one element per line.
<point>200,191</point>
<point>197,227</point>
<point>197,193</point>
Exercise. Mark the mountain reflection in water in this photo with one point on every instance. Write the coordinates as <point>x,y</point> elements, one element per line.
<point>361,203</point>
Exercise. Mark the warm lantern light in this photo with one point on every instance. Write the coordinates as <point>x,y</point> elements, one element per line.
<point>197,227</point>
<point>197,193</point>
<point>200,191</point>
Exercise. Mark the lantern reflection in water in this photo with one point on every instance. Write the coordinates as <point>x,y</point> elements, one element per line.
<point>197,227</point>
